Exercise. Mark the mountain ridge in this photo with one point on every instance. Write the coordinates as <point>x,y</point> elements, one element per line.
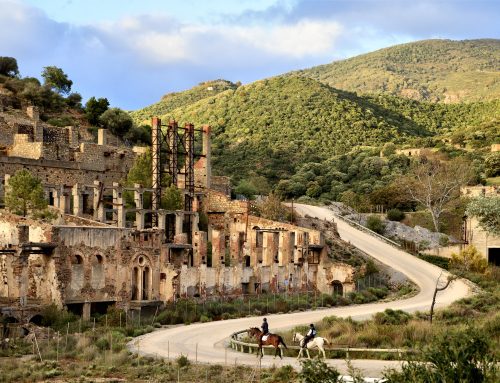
<point>431,70</point>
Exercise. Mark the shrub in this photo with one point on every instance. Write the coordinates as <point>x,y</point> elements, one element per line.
<point>454,356</point>
<point>317,371</point>
<point>469,259</point>
<point>375,224</point>
<point>182,361</point>
<point>393,317</point>
<point>102,343</point>
<point>395,215</point>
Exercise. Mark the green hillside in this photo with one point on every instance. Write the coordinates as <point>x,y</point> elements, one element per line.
<point>171,101</point>
<point>273,128</point>
<point>433,70</point>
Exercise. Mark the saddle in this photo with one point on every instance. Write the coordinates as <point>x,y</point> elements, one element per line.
<point>264,337</point>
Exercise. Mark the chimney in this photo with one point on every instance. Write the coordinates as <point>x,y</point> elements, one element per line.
<point>207,149</point>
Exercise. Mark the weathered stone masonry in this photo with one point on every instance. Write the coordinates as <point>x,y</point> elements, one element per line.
<point>104,252</point>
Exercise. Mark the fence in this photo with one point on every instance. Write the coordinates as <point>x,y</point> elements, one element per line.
<point>227,307</point>
<point>346,350</point>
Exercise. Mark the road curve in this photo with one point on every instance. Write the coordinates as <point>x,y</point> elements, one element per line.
<point>205,341</point>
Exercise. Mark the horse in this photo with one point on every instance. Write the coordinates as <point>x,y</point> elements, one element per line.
<point>272,339</point>
<point>315,342</point>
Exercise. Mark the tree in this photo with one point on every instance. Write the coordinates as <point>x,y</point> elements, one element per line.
<point>94,108</point>
<point>272,208</point>
<point>438,288</point>
<point>172,198</point>
<point>74,100</point>
<point>433,184</point>
<point>246,188</point>
<point>116,121</point>
<point>8,66</point>
<point>57,79</point>
<point>24,194</point>
<point>487,211</point>
<point>492,164</point>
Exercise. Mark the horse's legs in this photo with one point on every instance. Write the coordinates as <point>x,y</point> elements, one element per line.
<point>308,355</point>
<point>300,353</point>
<point>322,351</point>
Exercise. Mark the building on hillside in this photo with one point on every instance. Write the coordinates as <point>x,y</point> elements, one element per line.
<point>487,244</point>
<point>112,246</point>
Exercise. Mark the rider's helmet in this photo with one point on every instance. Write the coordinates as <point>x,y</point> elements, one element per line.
<point>311,325</point>
<point>265,320</point>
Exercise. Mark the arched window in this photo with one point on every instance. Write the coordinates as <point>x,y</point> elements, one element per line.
<point>77,272</point>
<point>98,275</point>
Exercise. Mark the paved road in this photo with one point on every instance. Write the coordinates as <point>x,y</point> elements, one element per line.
<point>205,341</point>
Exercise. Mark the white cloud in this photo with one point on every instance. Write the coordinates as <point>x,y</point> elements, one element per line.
<point>306,37</point>
<point>182,42</point>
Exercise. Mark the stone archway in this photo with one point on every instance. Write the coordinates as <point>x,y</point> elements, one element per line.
<point>142,278</point>
<point>338,288</point>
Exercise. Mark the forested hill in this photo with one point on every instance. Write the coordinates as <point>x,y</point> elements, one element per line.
<point>272,127</point>
<point>171,101</point>
<point>432,70</point>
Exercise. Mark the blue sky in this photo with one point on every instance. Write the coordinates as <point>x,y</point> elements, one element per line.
<point>134,51</point>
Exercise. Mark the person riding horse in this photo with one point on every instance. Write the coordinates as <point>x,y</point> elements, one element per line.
<point>264,327</point>
<point>310,335</point>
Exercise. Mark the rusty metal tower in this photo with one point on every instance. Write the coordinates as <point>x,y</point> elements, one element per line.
<point>173,153</point>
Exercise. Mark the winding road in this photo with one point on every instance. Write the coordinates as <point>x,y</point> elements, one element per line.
<point>205,341</point>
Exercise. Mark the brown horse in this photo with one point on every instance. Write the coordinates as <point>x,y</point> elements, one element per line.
<point>272,339</point>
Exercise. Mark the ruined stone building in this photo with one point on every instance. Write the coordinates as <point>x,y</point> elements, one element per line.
<point>115,245</point>
<point>487,244</point>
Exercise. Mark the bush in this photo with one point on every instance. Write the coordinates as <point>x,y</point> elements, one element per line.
<point>469,259</point>
<point>116,121</point>
<point>102,343</point>
<point>182,361</point>
<point>454,356</point>
<point>395,215</point>
<point>317,371</point>
<point>375,224</point>
<point>393,317</point>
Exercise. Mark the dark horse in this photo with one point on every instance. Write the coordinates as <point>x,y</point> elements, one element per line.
<point>272,339</point>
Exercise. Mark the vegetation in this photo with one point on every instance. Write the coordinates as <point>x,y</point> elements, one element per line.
<point>56,79</point>
<point>434,184</point>
<point>306,139</point>
<point>434,70</point>
<point>374,223</point>
<point>317,372</point>
<point>469,259</point>
<point>94,108</point>
<point>487,211</point>
<point>116,121</point>
<point>272,208</point>
<point>395,215</point>
<point>8,66</point>
<point>457,356</point>
<point>25,194</point>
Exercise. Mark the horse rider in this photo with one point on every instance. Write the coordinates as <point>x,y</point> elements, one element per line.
<point>310,335</point>
<point>264,327</point>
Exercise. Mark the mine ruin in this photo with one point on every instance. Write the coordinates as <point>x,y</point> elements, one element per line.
<point>103,252</point>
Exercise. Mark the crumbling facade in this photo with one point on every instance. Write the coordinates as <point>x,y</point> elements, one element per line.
<point>111,247</point>
<point>487,244</point>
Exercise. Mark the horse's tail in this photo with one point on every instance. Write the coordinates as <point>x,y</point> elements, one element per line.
<point>282,341</point>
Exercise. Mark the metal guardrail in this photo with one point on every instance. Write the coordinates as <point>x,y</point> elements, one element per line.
<point>365,229</point>
<point>252,348</point>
